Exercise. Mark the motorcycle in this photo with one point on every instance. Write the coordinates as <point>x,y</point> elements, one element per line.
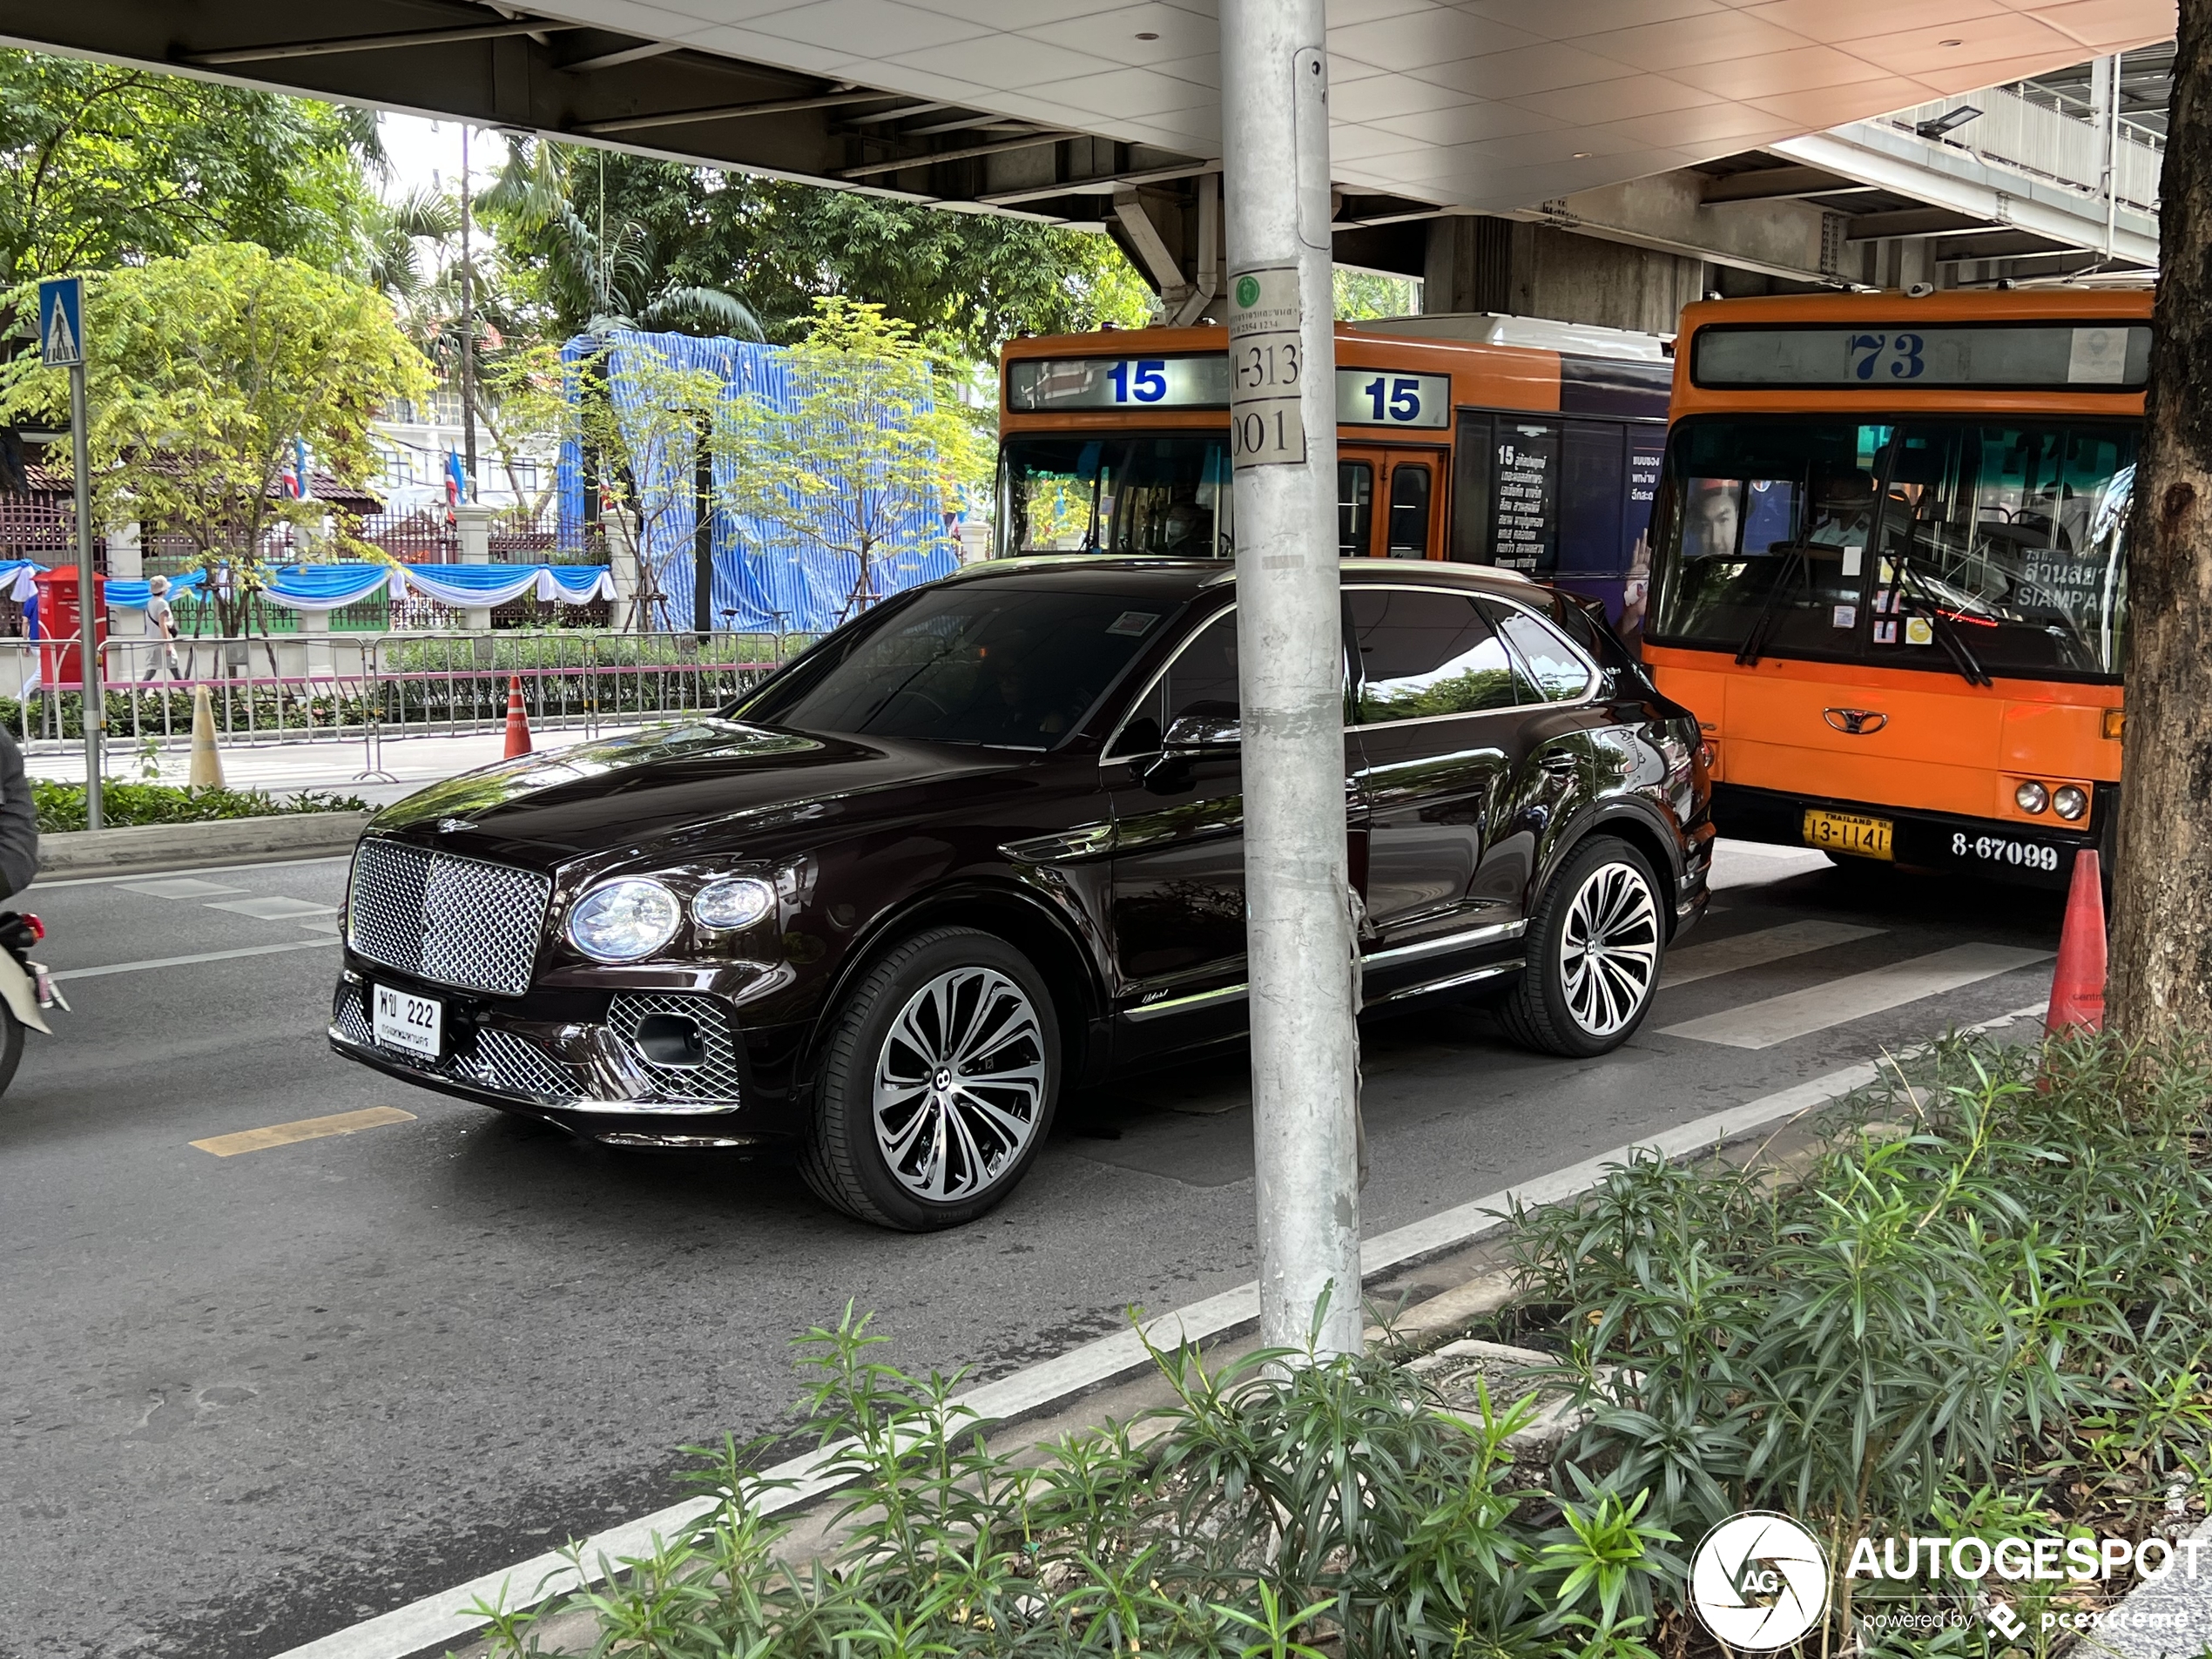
<point>26,989</point>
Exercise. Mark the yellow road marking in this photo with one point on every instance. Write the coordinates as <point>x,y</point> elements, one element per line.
<point>308,1129</point>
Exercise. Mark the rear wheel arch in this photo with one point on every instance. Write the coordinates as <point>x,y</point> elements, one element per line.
<point>1625,823</point>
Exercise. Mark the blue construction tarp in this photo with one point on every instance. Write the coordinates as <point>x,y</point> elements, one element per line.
<point>759,570</point>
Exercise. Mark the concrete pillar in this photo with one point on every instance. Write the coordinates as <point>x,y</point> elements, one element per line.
<point>621,565</point>
<point>125,557</point>
<point>473,521</point>
<point>1304,1045</point>
<point>314,641</point>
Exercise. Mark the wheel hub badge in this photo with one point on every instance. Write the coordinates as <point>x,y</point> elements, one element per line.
<point>944,1078</point>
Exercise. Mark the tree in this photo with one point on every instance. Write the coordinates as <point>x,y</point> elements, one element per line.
<point>2161,962</point>
<point>203,373</point>
<point>102,165</point>
<point>867,448</point>
<point>646,434</point>
<point>627,225</point>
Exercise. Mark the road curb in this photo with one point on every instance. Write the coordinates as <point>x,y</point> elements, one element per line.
<point>168,846</point>
<point>430,1625</point>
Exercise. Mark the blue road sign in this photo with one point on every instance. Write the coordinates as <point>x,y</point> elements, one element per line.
<point>61,321</point>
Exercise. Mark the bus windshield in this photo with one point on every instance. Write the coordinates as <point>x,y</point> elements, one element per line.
<point>1975,546</point>
<point>1115,492</point>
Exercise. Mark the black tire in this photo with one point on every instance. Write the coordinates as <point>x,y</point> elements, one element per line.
<point>11,1046</point>
<point>1564,1003</point>
<point>953,1138</point>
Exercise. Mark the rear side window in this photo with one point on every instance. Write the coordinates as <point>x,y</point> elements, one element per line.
<point>1424,653</point>
<point>1547,668</point>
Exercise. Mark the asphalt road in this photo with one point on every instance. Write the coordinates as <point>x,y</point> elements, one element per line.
<point>252,1399</point>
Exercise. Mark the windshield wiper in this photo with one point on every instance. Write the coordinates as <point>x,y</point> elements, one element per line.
<point>1747,654</point>
<point>1955,647</point>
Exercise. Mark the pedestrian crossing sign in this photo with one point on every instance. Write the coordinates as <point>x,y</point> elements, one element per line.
<point>61,323</point>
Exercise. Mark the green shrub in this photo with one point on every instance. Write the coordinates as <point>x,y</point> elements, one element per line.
<point>1982,1309</point>
<point>61,806</point>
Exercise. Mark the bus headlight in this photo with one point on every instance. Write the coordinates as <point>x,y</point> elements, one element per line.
<point>2032,797</point>
<point>2069,802</point>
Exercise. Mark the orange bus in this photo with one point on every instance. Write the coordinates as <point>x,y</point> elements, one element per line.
<point>1490,440</point>
<point>1890,568</point>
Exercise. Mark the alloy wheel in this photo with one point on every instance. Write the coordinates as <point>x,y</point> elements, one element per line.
<point>1609,949</point>
<point>960,1084</point>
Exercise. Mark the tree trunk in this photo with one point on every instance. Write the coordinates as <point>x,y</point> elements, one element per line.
<point>2161,945</point>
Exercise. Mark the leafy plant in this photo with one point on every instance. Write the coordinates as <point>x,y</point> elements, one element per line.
<point>61,806</point>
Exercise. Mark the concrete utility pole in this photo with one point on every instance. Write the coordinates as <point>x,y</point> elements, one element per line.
<point>1275,151</point>
<point>468,329</point>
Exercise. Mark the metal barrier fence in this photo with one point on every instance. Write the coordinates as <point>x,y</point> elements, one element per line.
<point>367,689</point>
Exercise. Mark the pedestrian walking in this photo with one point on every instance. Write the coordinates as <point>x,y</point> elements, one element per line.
<point>161,619</point>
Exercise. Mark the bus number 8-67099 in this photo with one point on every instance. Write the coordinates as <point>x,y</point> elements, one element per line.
<point>2031,855</point>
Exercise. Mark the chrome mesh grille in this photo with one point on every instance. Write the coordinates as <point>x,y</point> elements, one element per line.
<point>453,920</point>
<point>496,1059</point>
<point>717,1077</point>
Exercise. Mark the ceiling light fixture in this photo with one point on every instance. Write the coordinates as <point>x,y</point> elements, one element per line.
<point>1951,43</point>
<point>1581,155</point>
<point>1147,34</point>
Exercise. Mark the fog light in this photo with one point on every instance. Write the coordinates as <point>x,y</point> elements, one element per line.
<point>2070,803</point>
<point>2032,797</point>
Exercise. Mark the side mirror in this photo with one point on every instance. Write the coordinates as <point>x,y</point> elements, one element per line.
<point>1202,734</point>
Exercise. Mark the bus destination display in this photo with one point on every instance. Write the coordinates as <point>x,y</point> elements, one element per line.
<point>2053,357</point>
<point>1364,396</point>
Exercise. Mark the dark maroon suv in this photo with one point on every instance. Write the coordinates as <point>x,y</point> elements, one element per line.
<point>983,845</point>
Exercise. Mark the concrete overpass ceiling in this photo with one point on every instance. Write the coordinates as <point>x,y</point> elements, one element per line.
<point>1041,106</point>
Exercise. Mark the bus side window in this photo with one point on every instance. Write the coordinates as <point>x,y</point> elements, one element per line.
<point>1409,491</point>
<point>1589,499</point>
<point>1355,509</point>
<point>1471,490</point>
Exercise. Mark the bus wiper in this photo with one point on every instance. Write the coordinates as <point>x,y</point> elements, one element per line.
<point>1747,654</point>
<point>1947,636</point>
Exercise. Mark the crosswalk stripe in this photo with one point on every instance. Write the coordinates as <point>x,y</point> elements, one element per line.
<point>1694,962</point>
<point>1762,1025</point>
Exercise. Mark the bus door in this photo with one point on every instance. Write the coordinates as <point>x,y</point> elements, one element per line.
<point>1390,502</point>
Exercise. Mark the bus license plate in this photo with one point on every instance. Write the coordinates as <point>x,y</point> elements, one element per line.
<point>1865,837</point>
<point>412,1024</point>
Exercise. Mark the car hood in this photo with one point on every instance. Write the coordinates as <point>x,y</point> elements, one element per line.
<point>702,784</point>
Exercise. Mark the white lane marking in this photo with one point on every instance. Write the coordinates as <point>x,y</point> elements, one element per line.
<point>1761,1025</point>
<point>180,886</point>
<point>187,961</point>
<point>274,906</point>
<point>324,926</point>
<point>125,877</point>
<point>444,1616</point>
<point>1694,962</point>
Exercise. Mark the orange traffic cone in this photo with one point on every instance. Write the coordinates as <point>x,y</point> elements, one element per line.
<point>518,743</point>
<point>2078,987</point>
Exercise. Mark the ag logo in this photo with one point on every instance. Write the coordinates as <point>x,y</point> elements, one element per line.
<point>1759,1582</point>
<point>1248,292</point>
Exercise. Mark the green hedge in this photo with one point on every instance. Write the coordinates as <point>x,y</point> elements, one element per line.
<point>61,806</point>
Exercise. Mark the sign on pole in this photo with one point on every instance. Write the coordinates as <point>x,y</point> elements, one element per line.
<point>61,323</point>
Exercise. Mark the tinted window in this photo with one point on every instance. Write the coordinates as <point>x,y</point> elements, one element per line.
<point>1548,664</point>
<point>1425,653</point>
<point>1409,513</point>
<point>1201,682</point>
<point>1355,508</point>
<point>1589,499</point>
<point>972,663</point>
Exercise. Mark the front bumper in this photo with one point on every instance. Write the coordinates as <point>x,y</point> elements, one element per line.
<point>574,1061</point>
<point>1995,850</point>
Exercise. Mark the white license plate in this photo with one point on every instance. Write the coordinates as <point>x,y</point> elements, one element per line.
<point>402,1020</point>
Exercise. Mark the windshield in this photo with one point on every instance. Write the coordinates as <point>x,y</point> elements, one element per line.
<point>1977,547</point>
<point>1009,667</point>
<point>1114,493</point>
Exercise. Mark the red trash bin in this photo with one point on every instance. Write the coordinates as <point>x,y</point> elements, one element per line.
<point>58,667</point>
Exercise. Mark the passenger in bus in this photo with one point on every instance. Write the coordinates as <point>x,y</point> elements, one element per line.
<point>1845,511</point>
<point>1182,534</point>
<point>1713,517</point>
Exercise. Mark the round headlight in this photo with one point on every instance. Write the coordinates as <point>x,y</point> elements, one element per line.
<point>2032,797</point>
<point>2070,802</point>
<point>622,921</point>
<point>736,902</point>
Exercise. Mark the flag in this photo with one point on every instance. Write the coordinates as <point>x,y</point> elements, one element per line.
<point>303,480</point>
